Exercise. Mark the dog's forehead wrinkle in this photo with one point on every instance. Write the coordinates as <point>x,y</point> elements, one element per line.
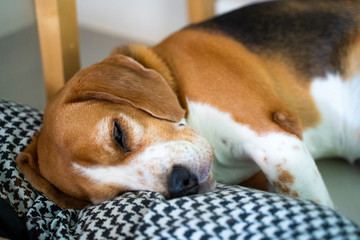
<point>103,133</point>
<point>136,129</point>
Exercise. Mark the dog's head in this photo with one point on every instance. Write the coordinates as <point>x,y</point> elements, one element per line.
<point>115,127</point>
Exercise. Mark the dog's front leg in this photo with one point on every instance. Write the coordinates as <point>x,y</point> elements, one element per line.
<point>289,167</point>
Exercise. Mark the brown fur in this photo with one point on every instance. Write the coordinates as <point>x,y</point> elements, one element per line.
<point>352,61</point>
<point>62,137</point>
<point>28,164</point>
<point>264,84</point>
<point>257,181</point>
<point>258,86</point>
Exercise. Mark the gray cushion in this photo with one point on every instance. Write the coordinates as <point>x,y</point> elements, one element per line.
<point>228,212</point>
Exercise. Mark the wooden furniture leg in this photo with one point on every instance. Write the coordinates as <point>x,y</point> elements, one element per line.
<point>199,10</point>
<point>59,43</point>
<point>58,34</point>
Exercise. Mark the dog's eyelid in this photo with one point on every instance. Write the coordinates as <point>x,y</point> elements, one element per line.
<point>119,136</point>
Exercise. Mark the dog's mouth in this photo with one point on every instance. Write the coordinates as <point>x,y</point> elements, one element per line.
<point>183,182</point>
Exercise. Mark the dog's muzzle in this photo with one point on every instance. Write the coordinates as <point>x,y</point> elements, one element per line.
<point>182,182</point>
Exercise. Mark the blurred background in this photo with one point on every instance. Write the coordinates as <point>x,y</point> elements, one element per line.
<point>102,25</point>
<point>108,23</point>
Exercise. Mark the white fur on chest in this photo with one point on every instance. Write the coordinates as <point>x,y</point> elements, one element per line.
<point>232,165</point>
<point>338,134</point>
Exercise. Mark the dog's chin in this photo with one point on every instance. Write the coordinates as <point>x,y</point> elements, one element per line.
<point>207,186</point>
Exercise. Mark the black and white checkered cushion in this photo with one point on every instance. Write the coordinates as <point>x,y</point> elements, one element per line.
<point>229,212</point>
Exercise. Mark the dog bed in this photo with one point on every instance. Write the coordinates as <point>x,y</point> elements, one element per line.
<point>228,212</point>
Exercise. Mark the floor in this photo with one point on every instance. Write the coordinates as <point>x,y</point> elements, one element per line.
<point>21,80</point>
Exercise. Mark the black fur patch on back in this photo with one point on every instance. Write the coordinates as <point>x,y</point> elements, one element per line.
<point>310,34</point>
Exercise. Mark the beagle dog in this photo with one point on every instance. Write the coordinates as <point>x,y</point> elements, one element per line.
<point>255,94</point>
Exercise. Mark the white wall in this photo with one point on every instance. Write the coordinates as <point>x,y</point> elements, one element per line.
<point>15,15</point>
<point>145,21</point>
<point>140,20</point>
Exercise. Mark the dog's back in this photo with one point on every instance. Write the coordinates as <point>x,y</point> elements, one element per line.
<point>308,34</point>
<point>254,76</point>
<point>319,40</point>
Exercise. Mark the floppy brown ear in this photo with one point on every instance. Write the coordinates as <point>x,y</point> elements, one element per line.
<point>27,162</point>
<point>122,79</point>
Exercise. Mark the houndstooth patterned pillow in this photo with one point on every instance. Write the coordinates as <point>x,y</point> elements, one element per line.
<point>239,213</point>
<point>229,212</point>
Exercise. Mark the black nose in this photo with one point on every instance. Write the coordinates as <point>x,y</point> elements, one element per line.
<point>182,182</point>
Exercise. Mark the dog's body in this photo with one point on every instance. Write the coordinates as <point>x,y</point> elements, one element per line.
<point>270,86</point>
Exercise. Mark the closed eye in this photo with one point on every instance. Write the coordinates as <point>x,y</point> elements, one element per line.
<point>119,137</point>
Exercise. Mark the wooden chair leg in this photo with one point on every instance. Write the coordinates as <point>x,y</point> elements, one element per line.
<point>199,10</point>
<point>58,34</point>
